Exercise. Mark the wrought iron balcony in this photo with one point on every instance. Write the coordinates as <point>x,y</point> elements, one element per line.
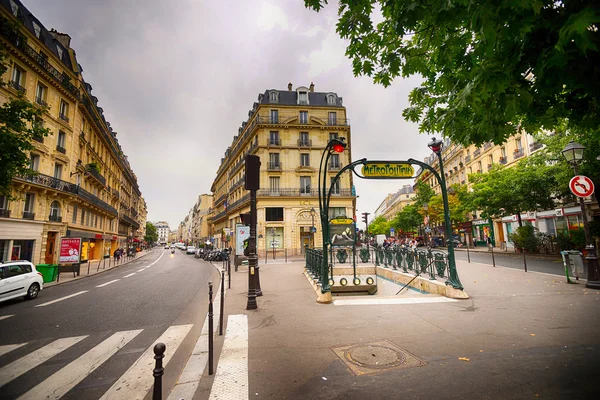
<point>243,200</point>
<point>63,117</point>
<point>54,218</point>
<point>28,215</point>
<point>4,213</point>
<point>17,86</point>
<point>115,192</point>
<point>94,172</point>
<point>502,160</point>
<point>487,146</point>
<point>297,192</point>
<point>220,215</point>
<point>274,166</point>
<point>304,142</point>
<point>468,159</point>
<point>38,139</point>
<point>518,154</point>
<point>128,220</point>
<point>534,146</point>
<point>84,194</point>
<point>61,149</point>
<point>41,102</point>
<point>476,153</point>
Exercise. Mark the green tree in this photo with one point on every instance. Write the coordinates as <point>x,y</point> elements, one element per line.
<point>489,68</point>
<point>424,193</point>
<point>18,127</point>
<point>408,219</point>
<point>379,226</point>
<point>513,190</point>
<point>151,233</point>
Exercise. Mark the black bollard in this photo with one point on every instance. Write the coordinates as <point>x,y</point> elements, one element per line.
<point>493,258</point>
<point>159,354</point>
<point>222,303</point>
<point>229,273</point>
<point>210,328</point>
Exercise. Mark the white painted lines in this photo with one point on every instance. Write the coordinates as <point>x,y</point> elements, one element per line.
<point>68,377</point>
<point>32,360</point>
<point>6,316</point>
<point>140,270</point>
<point>403,300</point>
<point>10,347</point>
<point>62,298</point>
<point>131,274</point>
<point>136,382</point>
<point>231,379</point>
<point>108,283</point>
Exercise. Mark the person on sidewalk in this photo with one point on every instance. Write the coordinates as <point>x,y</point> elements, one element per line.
<point>117,254</point>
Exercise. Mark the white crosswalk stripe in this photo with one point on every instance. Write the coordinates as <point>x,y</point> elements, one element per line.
<point>10,347</point>
<point>68,377</point>
<point>32,360</point>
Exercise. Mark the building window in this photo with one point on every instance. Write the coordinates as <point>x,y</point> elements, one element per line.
<point>55,211</point>
<point>337,212</point>
<point>59,51</point>
<point>274,161</point>
<point>305,160</point>
<point>503,150</point>
<point>302,98</point>
<point>274,117</point>
<point>335,186</point>
<point>40,94</point>
<point>479,169</point>
<point>490,159</point>
<point>304,140</point>
<point>15,10</point>
<point>64,111</point>
<point>304,117</point>
<point>75,213</point>
<point>274,138</point>
<point>274,184</point>
<point>333,135</point>
<point>334,161</point>
<point>273,97</point>
<point>4,211</point>
<point>18,78</point>
<point>518,144</point>
<point>34,162</point>
<point>305,184</point>
<point>274,214</point>
<point>331,99</point>
<point>29,203</point>
<point>332,120</point>
<point>58,171</point>
<point>37,29</point>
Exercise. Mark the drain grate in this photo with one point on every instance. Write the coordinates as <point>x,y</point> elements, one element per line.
<point>376,357</point>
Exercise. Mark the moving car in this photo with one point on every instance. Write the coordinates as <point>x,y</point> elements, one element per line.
<point>191,250</point>
<point>19,279</point>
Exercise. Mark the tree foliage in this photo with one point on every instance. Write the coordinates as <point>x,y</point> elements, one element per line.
<point>489,68</point>
<point>379,226</point>
<point>408,219</point>
<point>17,130</point>
<point>151,233</point>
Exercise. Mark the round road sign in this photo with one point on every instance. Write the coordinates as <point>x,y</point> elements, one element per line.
<point>581,186</point>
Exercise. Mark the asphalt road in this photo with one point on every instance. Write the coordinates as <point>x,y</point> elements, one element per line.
<point>132,305</point>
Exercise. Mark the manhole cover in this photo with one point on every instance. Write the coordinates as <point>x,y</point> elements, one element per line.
<point>376,357</point>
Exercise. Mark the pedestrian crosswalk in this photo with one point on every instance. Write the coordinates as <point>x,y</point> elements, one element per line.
<point>31,372</point>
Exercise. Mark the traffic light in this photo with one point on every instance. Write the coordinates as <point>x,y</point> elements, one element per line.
<point>365,218</point>
<point>246,219</point>
<point>252,173</point>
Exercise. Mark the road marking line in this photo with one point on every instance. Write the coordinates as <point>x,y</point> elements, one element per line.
<point>140,270</point>
<point>70,375</point>
<point>6,316</point>
<point>131,274</point>
<point>108,283</point>
<point>231,379</point>
<point>136,382</point>
<point>409,300</point>
<point>62,298</point>
<point>7,348</point>
<point>33,359</point>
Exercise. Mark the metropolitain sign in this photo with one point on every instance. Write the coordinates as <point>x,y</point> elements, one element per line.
<point>387,170</point>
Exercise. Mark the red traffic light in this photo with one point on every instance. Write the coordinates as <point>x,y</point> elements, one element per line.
<point>338,148</point>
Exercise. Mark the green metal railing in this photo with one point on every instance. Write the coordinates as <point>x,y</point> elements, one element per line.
<point>314,263</point>
<point>422,260</point>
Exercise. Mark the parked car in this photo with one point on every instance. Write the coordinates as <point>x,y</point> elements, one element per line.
<point>190,250</point>
<point>19,279</point>
<point>167,246</point>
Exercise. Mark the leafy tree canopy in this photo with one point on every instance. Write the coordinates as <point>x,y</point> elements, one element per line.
<point>408,219</point>
<point>379,226</point>
<point>489,68</point>
<point>151,233</point>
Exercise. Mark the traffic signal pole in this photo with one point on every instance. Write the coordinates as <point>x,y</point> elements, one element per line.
<point>366,221</point>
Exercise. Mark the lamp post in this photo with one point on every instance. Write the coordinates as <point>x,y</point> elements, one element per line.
<point>425,222</point>
<point>312,227</point>
<point>573,153</point>
<point>436,146</point>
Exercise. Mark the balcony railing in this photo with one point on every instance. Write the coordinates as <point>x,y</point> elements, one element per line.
<point>534,146</point>
<point>467,159</point>
<point>93,172</point>
<point>298,192</point>
<point>304,142</point>
<point>41,102</point>
<point>518,154</point>
<point>4,213</point>
<point>115,192</point>
<point>274,166</point>
<point>84,194</point>
<point>502,160</point>
<point>476,153</point>
<point>17,86</point>
<point>274,142</point>
<point>61,149</point>
<point>28,215</point>
<point>243,200</point>
<point>128,220</point>
<point>38,139</point>
<point>63,117</point>
<point>487,146</point>
<point>54,218</point>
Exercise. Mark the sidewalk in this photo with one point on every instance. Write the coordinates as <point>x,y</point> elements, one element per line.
<point>520,335</point>
<point>94,267</point>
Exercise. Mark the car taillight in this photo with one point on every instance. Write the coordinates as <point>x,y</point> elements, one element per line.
<point>40,274</point>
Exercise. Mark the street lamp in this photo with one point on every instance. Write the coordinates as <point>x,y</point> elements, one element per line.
<point>425,222</point>
<point>436,146</point>
<point>573,153</point>
<point>312,226</point>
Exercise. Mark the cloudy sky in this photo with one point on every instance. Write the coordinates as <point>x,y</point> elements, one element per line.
<point>177,78</point>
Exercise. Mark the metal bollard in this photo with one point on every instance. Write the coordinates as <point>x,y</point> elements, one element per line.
<point>229,272</point>
<point>210,328</point>
<point>285,255</point>
<point>222,303</point>
<point>493,258</point>
<point>159,354</point>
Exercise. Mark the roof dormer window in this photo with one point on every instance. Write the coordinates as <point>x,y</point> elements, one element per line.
<point>273,97</point>
<point>331,99</point>
<point>302,98</point>
<point>37,29</point>
<point>14,7</point>
<point>59,51</point>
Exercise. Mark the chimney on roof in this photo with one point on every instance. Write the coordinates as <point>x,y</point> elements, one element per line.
<point>312,87</point>
<point>290,86</point>
<point>63,38</point>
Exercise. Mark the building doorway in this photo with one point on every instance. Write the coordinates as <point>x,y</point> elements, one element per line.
<point>50,248</point>
<point>305,240</point>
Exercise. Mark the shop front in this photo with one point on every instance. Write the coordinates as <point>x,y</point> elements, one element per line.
<point>481,229</point>
<point>21,240</point>
<point>94,246</point>
<point>463,232</point>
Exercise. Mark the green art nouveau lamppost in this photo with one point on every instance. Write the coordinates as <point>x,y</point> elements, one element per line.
<point>436,146</point>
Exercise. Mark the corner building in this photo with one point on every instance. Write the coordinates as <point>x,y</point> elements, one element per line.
<point>81,184</point>
<point>288,130</point>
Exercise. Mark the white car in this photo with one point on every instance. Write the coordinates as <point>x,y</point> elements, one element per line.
<point>190,250</point>
<point>19,279</point>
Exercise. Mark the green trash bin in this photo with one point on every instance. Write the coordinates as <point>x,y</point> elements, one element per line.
<point>48,271</point>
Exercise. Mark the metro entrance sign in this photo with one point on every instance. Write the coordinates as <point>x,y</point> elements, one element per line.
<point>581,186</point>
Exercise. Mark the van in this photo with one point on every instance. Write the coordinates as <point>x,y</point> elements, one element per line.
<point>379,239</point>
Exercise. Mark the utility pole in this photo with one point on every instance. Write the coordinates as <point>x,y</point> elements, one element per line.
<point>366,221</point>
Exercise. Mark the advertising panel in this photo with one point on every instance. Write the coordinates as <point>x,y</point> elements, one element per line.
<point>70,250</point>
<point>241,233</point>
<point>342,232</point>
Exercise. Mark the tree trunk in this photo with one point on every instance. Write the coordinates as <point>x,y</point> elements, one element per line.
<point>519,219</point>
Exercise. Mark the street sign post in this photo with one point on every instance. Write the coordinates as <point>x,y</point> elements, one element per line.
<point>581,186</point>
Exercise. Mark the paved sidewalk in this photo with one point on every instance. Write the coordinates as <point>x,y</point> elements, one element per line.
<point>92,268</point>
<point>520,336</point>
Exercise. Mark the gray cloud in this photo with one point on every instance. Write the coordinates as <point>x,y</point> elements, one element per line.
<point>177,78</point>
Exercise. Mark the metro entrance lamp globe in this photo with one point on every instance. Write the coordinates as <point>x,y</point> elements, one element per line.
<point>573,153</point>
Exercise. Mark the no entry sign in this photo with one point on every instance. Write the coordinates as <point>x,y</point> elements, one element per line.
<point>581,186</point>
